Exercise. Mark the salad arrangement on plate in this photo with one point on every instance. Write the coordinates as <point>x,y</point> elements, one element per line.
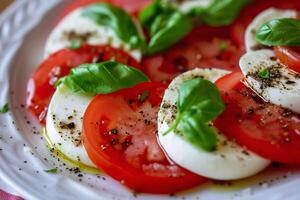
<point>166,95</point>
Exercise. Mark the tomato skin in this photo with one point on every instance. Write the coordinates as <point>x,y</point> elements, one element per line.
<point>264,128</point>
<point>251,11</point>
<point>289,56</point>
<point>201,48</point>
<point>40,87</point>
<point>138,161</point>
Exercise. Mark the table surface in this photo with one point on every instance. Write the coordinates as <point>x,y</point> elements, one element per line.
<point>4,4</point>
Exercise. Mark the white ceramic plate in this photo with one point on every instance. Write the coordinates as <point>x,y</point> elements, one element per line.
<point>24,157</point>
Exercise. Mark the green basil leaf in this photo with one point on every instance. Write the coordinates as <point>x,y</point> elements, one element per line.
<point>4,108</point>
<point>201,135</point>
<point>103,78</point>
<point>279,32</point>
<point>265,74</point>
<point>118,20</point>
<point>148,14</point>
<point>201,95</point>
<point>222,12</point>
<point>51,171</point>
<point>167,29</point>
<point>75,44</point>
<point>199,102</point>
<point>142,97</point>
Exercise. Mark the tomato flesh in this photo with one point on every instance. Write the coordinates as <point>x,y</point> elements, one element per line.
<point>264,128</point>
<point>204,47</point>
<point>120,138</point>
<point>289,56</point>
<point>250,12</point>
<point>41,84</point>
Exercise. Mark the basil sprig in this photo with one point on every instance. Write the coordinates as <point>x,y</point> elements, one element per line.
<point>102,78</point>
<point>278,32</point>
<point>4,108</point>
<point>165,24</point>
<point>118,20</point>
<point>222,12</point>
<point>148,15</point>
<point>166,30</point>
<point>199,102</point>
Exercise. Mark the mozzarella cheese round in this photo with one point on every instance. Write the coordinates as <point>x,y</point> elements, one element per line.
<point>230,161</point>
<point>76,27</point>
<point>64,124</point>
<point>265,16</point>
<point>186,6</point>
<point>283,86</point>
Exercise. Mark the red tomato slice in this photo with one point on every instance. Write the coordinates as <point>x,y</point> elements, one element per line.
<point>289,56</point>
<point>204,47</point>
<point>119,134</point>
<point>41,84</point>
<point>131,6</point>
<point>249,13</point>
<point>264,128</point>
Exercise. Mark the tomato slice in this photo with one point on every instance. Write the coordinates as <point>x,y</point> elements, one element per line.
<point>289,56</point>
<point>131,6</point>
<point>119,134</point>
<point>204,47</point>
<point>264,128</point>
<point>41,84</point>
<point>250,12</point>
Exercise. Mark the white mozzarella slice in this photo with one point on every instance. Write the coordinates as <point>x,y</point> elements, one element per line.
<point>76,27</point>
<point>64,124</point>
<point>283,86</point>
<point>230,161</point>
<point>259,20</point>
<point>188,5</point>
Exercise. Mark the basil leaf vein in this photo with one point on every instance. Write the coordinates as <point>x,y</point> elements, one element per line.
<point>277,32</point>
<point>199,102</point>
<point>102,78</point>
<point>117,20</point>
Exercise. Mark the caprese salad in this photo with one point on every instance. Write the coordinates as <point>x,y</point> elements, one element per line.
<point>165,95</point>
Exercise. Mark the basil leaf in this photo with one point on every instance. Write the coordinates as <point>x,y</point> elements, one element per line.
<point>148,15</point>
<point>167,29</point>
<point>51,171</point>
<point>199,102</point>
<point>142,97</point>
<point>103,78</point>
<point>201,95</point>
<point>116,19</point>
<point>265,74</point>
<point>201,135</point>
<point>4,108</point>
<point>222,12</point>
<point>277,32</point>
<point>75,44</point>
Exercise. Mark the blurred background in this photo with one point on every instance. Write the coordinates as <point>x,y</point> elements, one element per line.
<point>4,4</point>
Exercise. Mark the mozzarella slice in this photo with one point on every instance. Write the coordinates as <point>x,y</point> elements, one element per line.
<point>283,86</point>
<point>76,27</point>
<point>64,124</point>
<point>230,161</point>
<point>259,20</point>
<point>186,6</point>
